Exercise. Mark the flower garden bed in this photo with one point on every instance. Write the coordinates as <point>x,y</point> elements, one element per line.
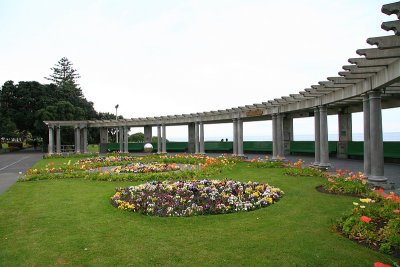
<point>197,197</point>
<point>140,167</point>
<point>347,183</point>
<point>98,168</point>
<point>374,222</point>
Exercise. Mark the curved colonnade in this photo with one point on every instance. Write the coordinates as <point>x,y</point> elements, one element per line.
<point>371,82</point>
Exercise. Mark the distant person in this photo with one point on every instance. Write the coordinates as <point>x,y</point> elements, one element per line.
<point>222,140</point>
<point>226,139</point>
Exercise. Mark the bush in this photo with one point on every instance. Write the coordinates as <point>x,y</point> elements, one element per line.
<point>18,145</point>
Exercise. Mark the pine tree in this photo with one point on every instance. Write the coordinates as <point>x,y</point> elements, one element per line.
<point>64,74</point>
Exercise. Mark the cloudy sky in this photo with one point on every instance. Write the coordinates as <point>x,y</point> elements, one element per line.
<point>161,57</point>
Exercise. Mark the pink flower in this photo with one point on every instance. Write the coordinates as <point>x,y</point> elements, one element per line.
<point>365,219</point>
<point>397,211</point>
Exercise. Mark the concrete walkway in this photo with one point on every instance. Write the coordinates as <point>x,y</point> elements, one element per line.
<point>13,165</point>
<point>392,170</point>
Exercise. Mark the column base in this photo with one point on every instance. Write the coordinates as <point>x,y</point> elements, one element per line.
<point>324,166</point>
<point>376,178</point>
<point>383,185</point>
<point>315,164</point>
<point>103,148</point>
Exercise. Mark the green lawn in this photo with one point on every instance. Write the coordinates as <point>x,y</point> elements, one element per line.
<point>71,223</point>
<point>93,148</point>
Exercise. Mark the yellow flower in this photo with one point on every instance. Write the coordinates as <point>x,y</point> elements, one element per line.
<point>365,200</point>
<point>363,207</point>
<point>355,204</point>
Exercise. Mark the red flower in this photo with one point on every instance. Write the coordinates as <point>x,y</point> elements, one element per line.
<point>397,211</point>
<point>380,264</point>
<point>365,219</point>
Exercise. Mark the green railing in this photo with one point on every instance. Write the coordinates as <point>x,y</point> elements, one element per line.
<point>355,148</point>
<point>217,146</point>
<point>257,146</point>
<point>309,147</point>
<point>391,149</point>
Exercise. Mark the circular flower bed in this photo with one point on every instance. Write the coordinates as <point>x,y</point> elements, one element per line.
<point>146,168</point>
<point>198,197</point>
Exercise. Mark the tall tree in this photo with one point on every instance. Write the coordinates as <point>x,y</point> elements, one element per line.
<point>24,106</point>
<point>64,73</point>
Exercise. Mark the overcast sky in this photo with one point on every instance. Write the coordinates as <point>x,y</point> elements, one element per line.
<point>171,57</point>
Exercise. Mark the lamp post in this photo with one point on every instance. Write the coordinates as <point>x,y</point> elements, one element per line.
<point>116,118</point>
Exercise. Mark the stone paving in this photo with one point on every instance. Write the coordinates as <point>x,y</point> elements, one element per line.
<point>392,170</point>
<point>12,165</point>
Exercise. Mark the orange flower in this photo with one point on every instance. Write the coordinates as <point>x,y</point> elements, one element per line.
<point>380,264</point>
<point>365,219</point>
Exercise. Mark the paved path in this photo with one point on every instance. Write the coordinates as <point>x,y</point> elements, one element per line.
<point>392,170</point>
<point>12,165</point>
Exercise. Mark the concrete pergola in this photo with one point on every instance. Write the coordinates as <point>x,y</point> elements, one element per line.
<point>368,84</point>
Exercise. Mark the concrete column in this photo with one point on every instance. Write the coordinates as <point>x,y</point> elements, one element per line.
<point>84,140</point>
<point>376,138</point>
<point>164,139</point>
<point>126,148</point>
<point>148,133</point>
<point>240,137</point>
<point>51,140</point>
<point>317,145</point>
<point>367,143</point>
<point>345,133</point>
<point>103,140</point>
<point>281,153</point>
<point>323,134</point>
<point>196,138</point>
<point>121,139</point>
<point>58,140</point>
<point>202,150</point>
<point>77,140</point>
<point>116,135</point>
<point>191,138</point>
<point>235,137</point>
<point>287,134</point>
<point>159,140</point>
<point>275,140</point>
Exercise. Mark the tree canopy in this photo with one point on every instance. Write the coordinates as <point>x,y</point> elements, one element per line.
<point>25,105</point>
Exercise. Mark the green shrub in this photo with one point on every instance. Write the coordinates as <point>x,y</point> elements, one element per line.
<point>374,222</point>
